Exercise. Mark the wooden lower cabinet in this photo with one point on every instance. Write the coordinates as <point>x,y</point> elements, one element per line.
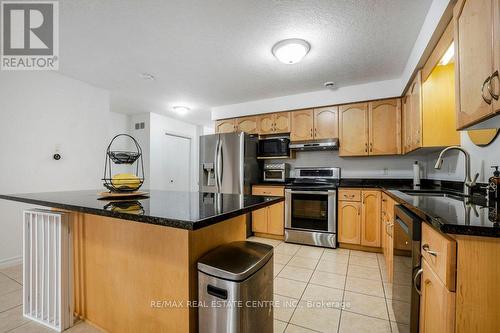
<point>359,220</point>
<point>370,218</point>
<point>349,221</point>
<point>387,222</point>
<point>437,304</point>
<point>269,220</point>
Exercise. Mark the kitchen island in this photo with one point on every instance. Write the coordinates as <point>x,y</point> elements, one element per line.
<point>134,261</point>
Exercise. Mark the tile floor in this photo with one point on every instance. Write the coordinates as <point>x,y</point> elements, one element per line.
<point>316,290</point>
<point>330,290</point>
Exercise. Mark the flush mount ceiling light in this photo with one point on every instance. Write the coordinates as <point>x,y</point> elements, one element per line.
<point>181,109</point>
<point>291,51</point>
<point>448,55</point>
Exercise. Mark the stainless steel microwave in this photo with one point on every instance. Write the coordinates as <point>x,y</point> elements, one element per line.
<point>274,147</point>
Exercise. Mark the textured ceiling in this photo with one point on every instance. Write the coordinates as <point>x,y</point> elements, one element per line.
<point>217,52</point>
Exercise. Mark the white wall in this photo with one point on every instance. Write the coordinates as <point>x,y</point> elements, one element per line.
<point>151,140</point>
<point>39,111</point>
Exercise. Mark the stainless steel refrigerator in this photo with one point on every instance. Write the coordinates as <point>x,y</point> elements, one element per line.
<point>228,163</point>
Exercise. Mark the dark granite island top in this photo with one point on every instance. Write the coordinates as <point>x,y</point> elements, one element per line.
<point>184,210</point>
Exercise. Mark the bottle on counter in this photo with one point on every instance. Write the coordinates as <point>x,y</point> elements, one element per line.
<point>416,175</point>
<point>494,186</point>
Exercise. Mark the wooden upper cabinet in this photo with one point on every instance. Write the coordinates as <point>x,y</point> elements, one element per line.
<point>266,124</point>
<point>370,219</point>
<point>353,124</point>
<point>282,122</point>
<point>385,127</point>
<point>474,63</point>
<point>412,116</point>
<point>274,123</point>
<point>247,124</point>
<point>349,222</point>
<point>326,123</point>
<point>302,125</point>
<point>225,126</point>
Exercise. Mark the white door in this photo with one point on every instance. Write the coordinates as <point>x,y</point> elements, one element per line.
<point>176,163</point>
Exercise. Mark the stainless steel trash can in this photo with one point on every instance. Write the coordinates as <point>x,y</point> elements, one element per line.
<point>235,289</point>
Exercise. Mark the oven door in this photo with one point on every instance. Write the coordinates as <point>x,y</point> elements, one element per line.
<point>311,210</point>
<point>274,175</point>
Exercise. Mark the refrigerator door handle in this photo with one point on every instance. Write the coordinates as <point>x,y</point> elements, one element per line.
<point>220,167</point>
<point>216,165</point>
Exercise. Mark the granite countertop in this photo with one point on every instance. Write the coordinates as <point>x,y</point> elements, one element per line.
<point>454,214</point>
<point>184,210</point>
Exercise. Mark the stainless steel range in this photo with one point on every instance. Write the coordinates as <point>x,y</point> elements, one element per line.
<point>311,207</point>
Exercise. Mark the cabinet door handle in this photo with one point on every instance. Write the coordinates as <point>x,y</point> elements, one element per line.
<point>427,249</point>
<point>311,132</point>
<point>487,81</point>
<point>419,272</point>
<point>371,147</point>
<point>366,147</point>
<point>490,90</point>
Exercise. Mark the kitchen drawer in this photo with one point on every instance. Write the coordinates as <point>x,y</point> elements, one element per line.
<point>440,253</point>
<point>275,191</point>
<point>349,195</point>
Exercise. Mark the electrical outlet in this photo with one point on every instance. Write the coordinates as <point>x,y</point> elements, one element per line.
<point>386,171</point>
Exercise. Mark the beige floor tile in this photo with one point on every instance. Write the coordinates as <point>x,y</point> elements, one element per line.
<point>335,256</point>
<point>297,329</point>
<point>284,307</point>
<point>331,280</point>
<point>10,300</point>
<point>332,267</point>
<point>365,286</point>
<point>315,293</point>
<point>277,269</point>
<point>32,327</point>
<point>296,273</point>
<point>12,271</point>
<point>83,327</point>
<point>321,319</point>
<point>9,285</point>
<point>287,248</point>
<point>272,242</point>
<point>356,323</point>
<point>402,278</point>
<point>364,272</point>
<point>400,328</point>
<point>310,252</point>
<point>362,261</point>
<point>303,262</point>
<point>289,288</point>
<point>400,293</point>
<point>399,309</point>
<point>372,306</point>
<point>279,326</point>
<point>4,278</point>
<point>338,251</point>
<point>281,258</point>
<point>363,254</point>
<point>11,319</point>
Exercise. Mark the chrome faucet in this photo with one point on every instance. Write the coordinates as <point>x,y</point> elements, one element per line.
<point>468,182</point>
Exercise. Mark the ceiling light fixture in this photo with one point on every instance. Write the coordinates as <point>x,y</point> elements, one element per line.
<point>181,110</point>
<point>448,55</point>
<point>291,51</point>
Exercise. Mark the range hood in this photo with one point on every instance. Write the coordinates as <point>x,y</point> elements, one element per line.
<point>332,144</point>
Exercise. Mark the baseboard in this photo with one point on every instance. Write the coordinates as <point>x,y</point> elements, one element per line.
<point>4,263</point>
<point>258,234</point>
<point>360,247</point>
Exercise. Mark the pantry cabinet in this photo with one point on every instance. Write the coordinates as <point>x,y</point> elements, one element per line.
<point>372,128</point>
<point>359,217</point>
<point>477,60</point>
